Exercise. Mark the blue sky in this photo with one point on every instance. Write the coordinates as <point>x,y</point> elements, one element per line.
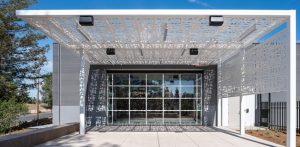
<point>163,4</point>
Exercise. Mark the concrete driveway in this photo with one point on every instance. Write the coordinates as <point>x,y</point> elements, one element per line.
<point>159,139</point>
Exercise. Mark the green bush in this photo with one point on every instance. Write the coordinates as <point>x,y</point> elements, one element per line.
<point>9,111</point>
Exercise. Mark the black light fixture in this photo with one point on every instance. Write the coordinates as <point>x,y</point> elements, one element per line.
<point>110,51</point>
<point>193,51</point>
<point>86,20</point>
<point>216,20</point>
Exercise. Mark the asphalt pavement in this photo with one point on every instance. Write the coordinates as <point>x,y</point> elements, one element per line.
<point>31,117</point>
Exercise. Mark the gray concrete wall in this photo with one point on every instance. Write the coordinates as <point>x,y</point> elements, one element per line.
<point>65,89</point>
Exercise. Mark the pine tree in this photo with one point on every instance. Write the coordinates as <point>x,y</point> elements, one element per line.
<point>21,56</point>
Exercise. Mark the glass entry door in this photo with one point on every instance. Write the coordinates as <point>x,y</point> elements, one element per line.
<point>154,98</point>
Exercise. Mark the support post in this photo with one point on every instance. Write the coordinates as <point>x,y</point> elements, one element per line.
<point>291,100</point>
<point>82,93</point>
<point>242,117</point>
<point>242,108</point>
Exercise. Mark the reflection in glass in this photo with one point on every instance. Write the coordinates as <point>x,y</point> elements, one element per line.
<point>109,94</point>
<point>171,117</point>
<point>120,104</point>
<point>137,92</point>
<point>121,92</point>
<point>188,79</point>
<point>155,117</point>
<point>188,92</point>
<point>109,79</point>
<point>154,104</point>
<point>109,104</point>
<point>121,79</point>
<point>120,117</point>
<point>137,79</point>
<point>171,104</point>
<point>199,118</point>
<point>171,79</point>
<point>162,102</point>
<point>171,92</point>
<point>137,104</point>
<point>188,104</point>
<point>154,92</point>
<point>138,117</point>
<point>109,117</point>
<point>188,117</point>
<point>154,79</point>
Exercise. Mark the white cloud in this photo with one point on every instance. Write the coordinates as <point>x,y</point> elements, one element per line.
<point>48,67</point>
<point>201,3</point>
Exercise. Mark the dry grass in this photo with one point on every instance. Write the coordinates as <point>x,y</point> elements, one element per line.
<point>271,135</point>
<point>32,108</point>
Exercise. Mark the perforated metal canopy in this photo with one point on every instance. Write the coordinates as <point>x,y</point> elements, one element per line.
<point>153,36</point>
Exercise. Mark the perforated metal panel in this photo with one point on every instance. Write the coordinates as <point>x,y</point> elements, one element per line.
<point>155,39</point>
<point>261,68</point>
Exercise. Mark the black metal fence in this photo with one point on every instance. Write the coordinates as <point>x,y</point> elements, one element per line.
<point>273,114</point>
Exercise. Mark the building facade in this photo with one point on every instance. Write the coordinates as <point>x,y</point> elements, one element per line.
<point>134,94</point>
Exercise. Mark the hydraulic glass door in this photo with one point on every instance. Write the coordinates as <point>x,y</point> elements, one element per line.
<point>154,98</point>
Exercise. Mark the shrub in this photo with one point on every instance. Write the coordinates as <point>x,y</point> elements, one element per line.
<point>9,111</point>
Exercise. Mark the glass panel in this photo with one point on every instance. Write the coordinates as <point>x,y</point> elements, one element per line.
<point>171,117</point>
<point>171,79</point>
<point>172,92</point>
<point>154,104</point>
<point>137,79</point>
<point>137,92</point>
<point>188,117</point>
<point>188,104</point>
<point>109,121</point>
<point>199,118</point>
<point>171,104</point>
<point>120,117</point>
<point>120,104</point>
<point>188,92</point>
<point>121,79</point>
<point>109,104</point>
<point>109,79</point>
<point>154,79</point>
<point>188,79</point>
<point>137,104</point>
<point>154,117</point>
<point>138,117</point>
<point>109,94</point>
<point>121,92</point>
<point>154,92</point>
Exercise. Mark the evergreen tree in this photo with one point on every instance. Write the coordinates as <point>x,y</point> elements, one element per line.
<point>21,56</point>
<point>47,90</point>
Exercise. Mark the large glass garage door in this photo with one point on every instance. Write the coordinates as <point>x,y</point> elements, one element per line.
<point>154,98</point>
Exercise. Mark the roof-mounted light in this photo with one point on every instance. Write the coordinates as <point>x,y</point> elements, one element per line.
<point>86,20</point>
<point>216,20</point>
<point>193,51</point>
<point>110,51</point>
